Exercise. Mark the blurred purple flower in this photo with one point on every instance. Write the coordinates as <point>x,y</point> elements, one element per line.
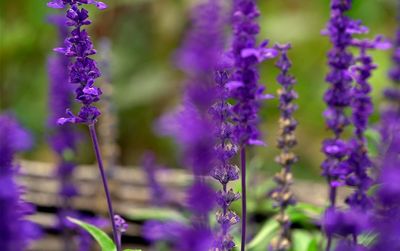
<point>16,233</point>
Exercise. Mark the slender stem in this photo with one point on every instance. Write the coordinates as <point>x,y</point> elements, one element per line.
<point>332,200</point>
<point>244,204</point>
<point>105,184</point>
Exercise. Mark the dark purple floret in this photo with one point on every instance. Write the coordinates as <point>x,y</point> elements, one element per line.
<point>83,70</point>
<point>282,194</point>
<point>16,233</point>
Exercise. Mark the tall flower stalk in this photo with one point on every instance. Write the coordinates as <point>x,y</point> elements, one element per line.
<point>282,194</point>
<point>62,138</point>
<point>225,171</point>
<point>244,86</point>
<point>340,29</point>
<point>16,232</point>
<point>192,125</point>
<point>83,72</point>
<point>359,162</point>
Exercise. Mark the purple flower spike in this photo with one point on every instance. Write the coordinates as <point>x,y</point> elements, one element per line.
<point>282,194</point>
<point>83,70</point>
<point>247,55</point>
<point>347,162</point>
<point>248,94</point>
<point>16,233</point>
<point>362,107</point>
<point>224,171</point>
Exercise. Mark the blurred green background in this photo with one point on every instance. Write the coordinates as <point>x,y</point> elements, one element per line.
<point>143,36</point>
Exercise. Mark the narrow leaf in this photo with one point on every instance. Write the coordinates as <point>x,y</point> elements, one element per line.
<point>264,235</point>
<point>99,235</point>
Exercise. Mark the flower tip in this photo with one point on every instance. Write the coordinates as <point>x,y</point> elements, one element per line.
<point>56,4</point>
<point>233,85</point>
<point>62,121</point>
<point>256,142</point>
<point>101,5</point>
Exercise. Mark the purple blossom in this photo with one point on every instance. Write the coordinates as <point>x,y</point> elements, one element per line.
<point>224,171</point>
<point>244,85</point>
<point>16,233</point>
<point>347,162</point>
<point>246,56</point>
<point>362,107</point>
<point>83,70</point>
<point>338,96</point>
<point>282,194</point>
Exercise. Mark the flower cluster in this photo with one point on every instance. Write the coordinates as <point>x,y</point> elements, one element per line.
<point>282,195</point>
<point>244,85</point>
<point>224,171</point>
<point>16,232</point>
<point>83,70</point>
<point>338,96</point>
<point>362,107</point>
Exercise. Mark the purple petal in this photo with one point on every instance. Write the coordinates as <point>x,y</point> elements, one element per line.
<point>56,4</point>
<point>233,85</point>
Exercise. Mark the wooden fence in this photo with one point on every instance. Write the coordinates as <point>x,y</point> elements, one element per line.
<point>129,190</point>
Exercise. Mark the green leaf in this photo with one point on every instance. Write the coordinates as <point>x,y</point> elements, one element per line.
<point>155,214</point>
<point>367,239</point>
<point>132,249</point>
<point>99,235</point>
<point>301,240</point>
<point>373,139</point>
<point>264,235</point>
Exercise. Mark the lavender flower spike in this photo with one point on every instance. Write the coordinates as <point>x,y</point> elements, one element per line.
<point>340,29</point>
<point>83,71</point>
<point>362,107</point>
<point>16,233</point>
<point>282,194</point>
<point>224,170</point>
<point>245,87</point>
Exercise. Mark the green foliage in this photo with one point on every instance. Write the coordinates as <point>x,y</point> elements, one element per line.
<point>156,214</point>
<point>373,142</point>
<point>99,235</point>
